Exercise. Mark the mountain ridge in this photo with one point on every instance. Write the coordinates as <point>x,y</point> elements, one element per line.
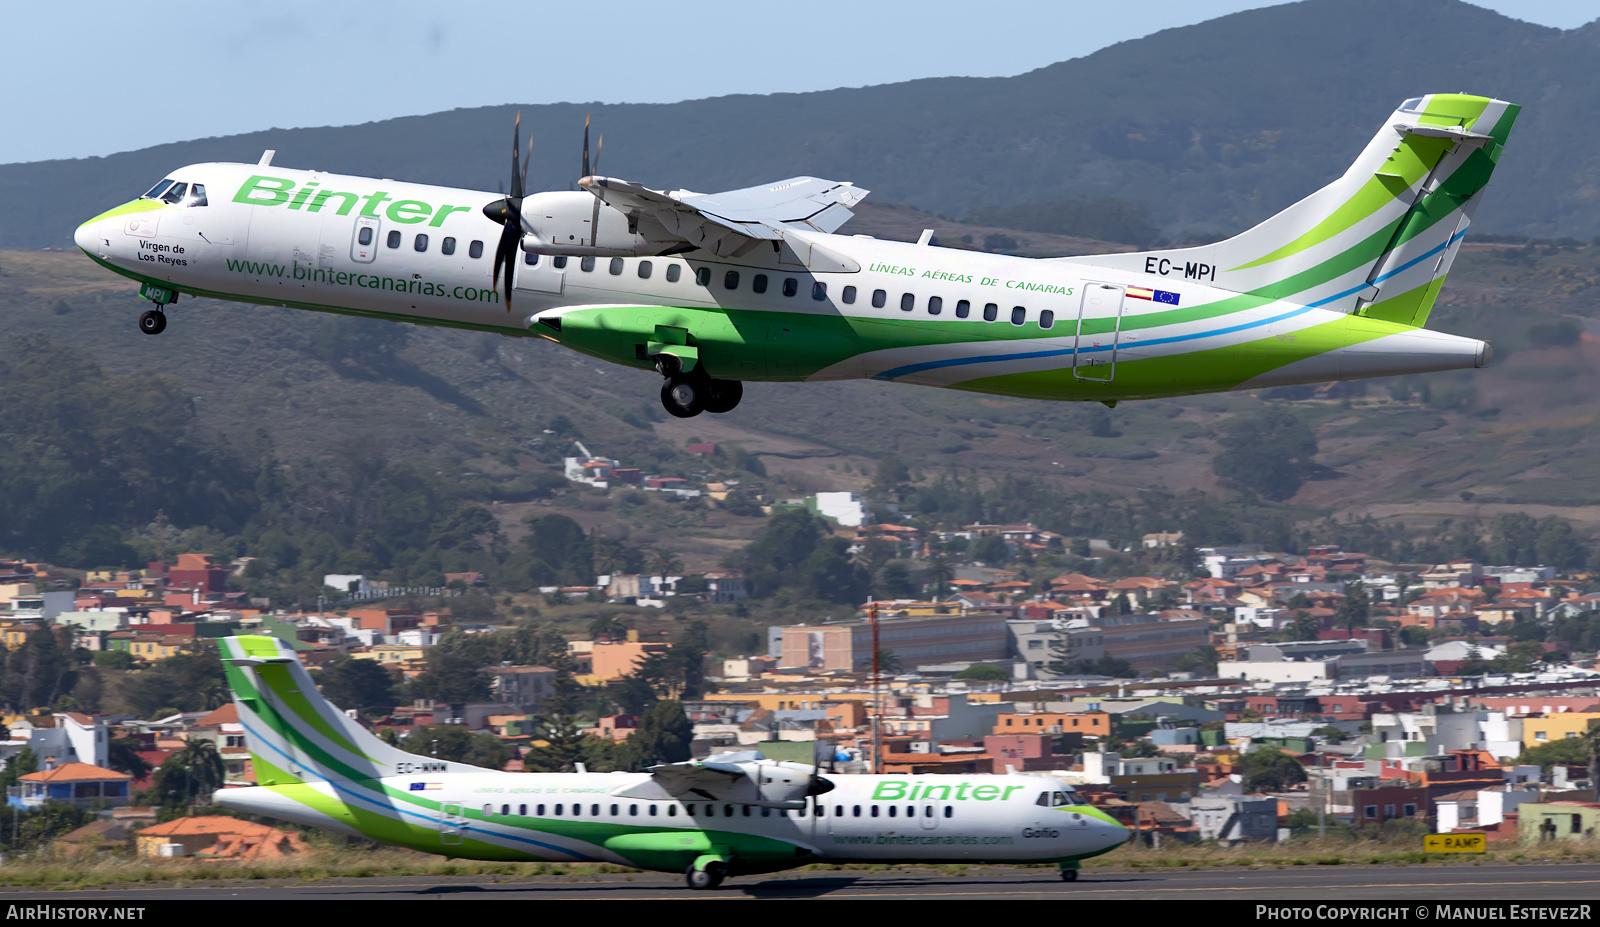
<point>1181,119</point>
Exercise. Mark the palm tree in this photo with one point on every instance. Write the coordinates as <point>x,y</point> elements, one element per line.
<point>195,771</point>
<point>941,572</point>
<point>664,563</point>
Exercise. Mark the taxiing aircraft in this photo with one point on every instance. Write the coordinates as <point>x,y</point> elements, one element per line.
<point>731,814</point>
<point>713,290</point>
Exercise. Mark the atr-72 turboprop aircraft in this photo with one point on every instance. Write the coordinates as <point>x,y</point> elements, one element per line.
<point>729,815</point>
<point>751,285</point>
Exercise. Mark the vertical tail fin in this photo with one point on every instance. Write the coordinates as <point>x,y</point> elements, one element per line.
<point>1377,241</point>
<point>294,734</point>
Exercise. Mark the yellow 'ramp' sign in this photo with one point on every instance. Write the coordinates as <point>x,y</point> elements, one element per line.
<point>1455,843</point>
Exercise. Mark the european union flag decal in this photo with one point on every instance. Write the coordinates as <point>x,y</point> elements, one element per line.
<point>1157,296</point>
<point>418,786</point>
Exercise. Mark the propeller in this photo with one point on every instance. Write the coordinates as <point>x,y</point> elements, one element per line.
<point>508,212</point>
<point>594,220</point>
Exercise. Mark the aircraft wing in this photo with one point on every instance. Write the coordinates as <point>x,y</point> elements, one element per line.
<point>731,222</point>
<point>706,779</point>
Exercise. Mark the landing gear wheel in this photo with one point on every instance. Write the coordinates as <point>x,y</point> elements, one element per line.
<point>723,395</point>
<point>1069,875</point>
<point>153,322</point>
<point>684,396</point>
<point>709,877</point>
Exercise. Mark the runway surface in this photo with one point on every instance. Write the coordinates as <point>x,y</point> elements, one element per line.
<point>1304,885</point>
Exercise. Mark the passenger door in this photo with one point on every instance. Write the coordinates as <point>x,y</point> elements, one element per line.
<point>364,240</point>
<point>930,815</point>
<point>1094,356</point>
<point>450,819</point>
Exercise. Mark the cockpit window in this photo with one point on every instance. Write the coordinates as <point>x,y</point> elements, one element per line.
<point>197,195</point>
<point>157,190</point>
<point>175,193</point>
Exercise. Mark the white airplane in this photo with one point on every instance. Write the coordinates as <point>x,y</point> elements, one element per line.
<point>753,285</point>
<point>733,814</point>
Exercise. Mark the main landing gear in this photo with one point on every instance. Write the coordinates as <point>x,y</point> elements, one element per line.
<point>685,395</point>
<point>708,876</point>
<point>1069,871</point>
<point>154,321</point>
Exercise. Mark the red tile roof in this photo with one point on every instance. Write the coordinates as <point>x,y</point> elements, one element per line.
<point>74,772</point>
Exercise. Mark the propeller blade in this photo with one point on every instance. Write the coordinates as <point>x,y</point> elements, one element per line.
<point>516,150</point>
<point>507,251</point>
<point>594,220</point>
<point>585,146</point>
<point>528,161</point>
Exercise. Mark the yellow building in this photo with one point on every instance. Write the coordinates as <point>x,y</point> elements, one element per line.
<point>789,701</point>
<point>1559,726</point>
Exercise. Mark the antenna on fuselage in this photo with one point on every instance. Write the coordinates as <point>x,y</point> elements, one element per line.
<point>266,157</point>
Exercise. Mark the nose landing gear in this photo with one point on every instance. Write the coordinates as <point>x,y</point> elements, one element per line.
<point>154,321</point>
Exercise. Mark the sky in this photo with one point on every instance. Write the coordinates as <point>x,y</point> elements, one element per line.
<point>106,77</point>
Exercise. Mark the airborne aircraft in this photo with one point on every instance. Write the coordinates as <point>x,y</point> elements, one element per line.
<point>731,814</point>
<point>713,290</point>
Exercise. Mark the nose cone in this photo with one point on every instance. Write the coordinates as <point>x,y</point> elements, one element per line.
<point>1114,835</point>
<point>86,238</point>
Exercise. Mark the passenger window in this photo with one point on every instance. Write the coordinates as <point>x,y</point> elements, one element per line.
<point>559,261</point>
<point>539,811</point>
<point>394,239</point>
<point>1047,319</point>
<point>819,291</point>
<point>645,267</point>
<point>529,258</point>
<point>766,812</point>
<point>855,811</point>
<point>475,250</point>
<point>586,265</point>
<point>963,309</point>
<point>1018,315</point>
<point>689,810</point>
<point>577,810</point>
<point>672,811</point>
<point>879,297</point>
<point>874,810</point>
<point>703,276</point>
<point>448,246</point>
<point>157,190</point>
<point>614,811</point>
<point>594,810</point>
<point>727,811</point>
<point>175,193</point>
<point>420,243</point>
<point>891,811</point>
<point>633,811</point>
<point>365,235</point>
<point>746,810</point>
<point>730,280</point>
<point>711,811</point>
<point>990,312</point>
<point>559,810</point>
<point>790,286</point>
<point>758,283</point>
<point>947,810</point>
<point>935,305</point>
<point>907,302</point>
<point>674,272</point>
<point>616,267</point>
<point>652,810</point>
<point>849,295</point>
<point>505,810</point>
<point>197,195</point>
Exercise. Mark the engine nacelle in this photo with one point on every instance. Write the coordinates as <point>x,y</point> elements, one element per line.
<point>561,223</point>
